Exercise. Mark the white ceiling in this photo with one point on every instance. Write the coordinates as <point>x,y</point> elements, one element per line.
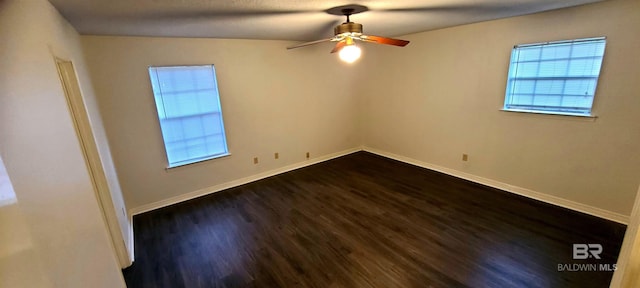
<point>284,19</point>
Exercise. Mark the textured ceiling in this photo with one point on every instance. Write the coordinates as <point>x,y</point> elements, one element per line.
<point>284,19</point>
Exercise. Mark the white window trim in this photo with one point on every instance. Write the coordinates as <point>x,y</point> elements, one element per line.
<point>590,116</point>
<point>169,168</point>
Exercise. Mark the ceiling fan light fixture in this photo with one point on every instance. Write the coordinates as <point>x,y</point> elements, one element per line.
<point>347,32</point>
<point>350,53</point>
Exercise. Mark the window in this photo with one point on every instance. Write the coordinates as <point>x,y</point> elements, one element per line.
<point>189,111</point>
<point>7,195</point>
<point>554,77</point>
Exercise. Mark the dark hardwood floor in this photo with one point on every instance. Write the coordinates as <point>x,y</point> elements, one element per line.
<point>366,221</point>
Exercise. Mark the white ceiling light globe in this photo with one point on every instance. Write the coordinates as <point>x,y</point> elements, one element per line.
<point>350,53</point>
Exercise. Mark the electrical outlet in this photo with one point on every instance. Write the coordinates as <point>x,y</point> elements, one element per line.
<point>255,160</point>
<point>307,155</point>
<point>465,157</point>
<point>276,155</point>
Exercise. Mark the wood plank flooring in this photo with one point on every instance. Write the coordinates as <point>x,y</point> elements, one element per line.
<point>367,221</point>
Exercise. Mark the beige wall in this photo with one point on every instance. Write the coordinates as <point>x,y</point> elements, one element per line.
<point>64,241</point>
<point>441,97</point>
<point>437,98</point>
<point>273,100</point>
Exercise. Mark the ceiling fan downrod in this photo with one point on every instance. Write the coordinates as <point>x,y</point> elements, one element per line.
<point>347,12</point>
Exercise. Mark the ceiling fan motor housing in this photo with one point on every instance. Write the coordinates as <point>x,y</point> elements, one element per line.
<point>349,27</point>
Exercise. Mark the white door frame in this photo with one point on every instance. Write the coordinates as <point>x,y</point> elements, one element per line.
<point>89,148</point>
<point>627,274</point>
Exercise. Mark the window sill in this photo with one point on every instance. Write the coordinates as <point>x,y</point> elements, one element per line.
<point>558,114</point>
<point>198,162</point>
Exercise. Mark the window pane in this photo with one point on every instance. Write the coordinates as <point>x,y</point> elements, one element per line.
<point>548,101</point>
<point>577,101</point>
<point>527,69</point>
<point>524,86</point>
<point>171,130</point>
<point>189,111</point>
<point>584,67</point>
<point>582,87</point>
<point>553,68</point>
<point>529,53</point>
<point>549,87</point>
<point>588,49</point>
<point>553,52</point>
<point>523,99</point>
<point>555,77</point>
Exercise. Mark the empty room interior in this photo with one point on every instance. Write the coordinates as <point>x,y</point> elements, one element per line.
<point>275,143</point>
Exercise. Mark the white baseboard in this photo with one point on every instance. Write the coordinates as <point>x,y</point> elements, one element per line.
<point>234,183</point>
<point>595,211</point>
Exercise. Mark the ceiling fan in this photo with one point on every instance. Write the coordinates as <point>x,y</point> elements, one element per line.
<point>347,33</point>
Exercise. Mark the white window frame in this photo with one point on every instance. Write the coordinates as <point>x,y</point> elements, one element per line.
<point>153,70</point>
<point>561,110</point>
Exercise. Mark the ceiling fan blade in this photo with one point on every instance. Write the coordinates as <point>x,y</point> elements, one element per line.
<point>384,40</point>
<point>339,46</point>
<point>309,43</point>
